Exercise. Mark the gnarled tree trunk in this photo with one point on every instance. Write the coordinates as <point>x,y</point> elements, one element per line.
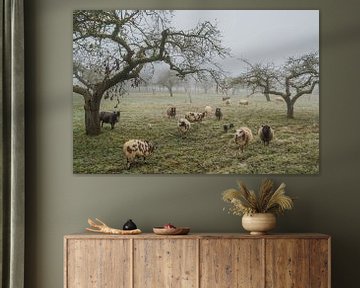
<point>290,109</point>
<point>92,121</point>
<point>266,91</point>
<point>267,96</point>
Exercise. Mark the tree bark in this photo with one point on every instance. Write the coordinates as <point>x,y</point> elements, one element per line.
<point>92,121</point>
<point>267,96</point>
<point>290,109</point>
<point>266,92</point>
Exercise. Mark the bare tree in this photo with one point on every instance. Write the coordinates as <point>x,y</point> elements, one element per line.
<point>113,47</point>
<point>206,84</point>
<point>259,78</point>
<point>168,79</point>
<point>296,77</point>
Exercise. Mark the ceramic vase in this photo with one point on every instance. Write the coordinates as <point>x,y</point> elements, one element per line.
<point>259,223</point>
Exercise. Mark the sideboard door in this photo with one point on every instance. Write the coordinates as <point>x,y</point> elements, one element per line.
<point>287,263</point>
<point>93,263</point>
<point>170,263</point>
<point>297,263</point>
<point>231,263</point>
<point>320,263</point>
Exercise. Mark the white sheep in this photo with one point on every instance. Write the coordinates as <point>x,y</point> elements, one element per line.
<point>183,126</point>
<point>208,111</point>
<point>137,148</point>
<point>279,99</point>
<point>242,137</point>
<point>244,102</point>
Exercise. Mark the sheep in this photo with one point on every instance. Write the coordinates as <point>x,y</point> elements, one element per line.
<point>242,137</point>
<point>137,148</point>
<point>225,98</point>
<point>194,116</point>
<point>244,102</point>
<point>218,113</point>
<point>279,99</point>
<point>227,127</point>
<point>109,117</point>
<point>171,112</point>
<point>266,134</point>
<point>208,111</point>
<point>183,126</point>
<point>228,102</point>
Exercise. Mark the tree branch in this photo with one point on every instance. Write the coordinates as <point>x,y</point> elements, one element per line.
<point>309,91</point>
<point>82,91</point>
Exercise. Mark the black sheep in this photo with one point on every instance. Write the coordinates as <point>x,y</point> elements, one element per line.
<point>109,117</point>
<point>227,127</point>
<point>218,113</point>
<point>266,134</point>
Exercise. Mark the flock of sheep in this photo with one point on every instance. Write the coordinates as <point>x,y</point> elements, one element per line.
<point>242,136</point>
<point>136,148</point>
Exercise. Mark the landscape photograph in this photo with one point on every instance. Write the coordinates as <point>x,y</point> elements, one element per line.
<point>196,92</point>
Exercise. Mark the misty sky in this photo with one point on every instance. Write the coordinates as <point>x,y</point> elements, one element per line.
<point>259,35</point>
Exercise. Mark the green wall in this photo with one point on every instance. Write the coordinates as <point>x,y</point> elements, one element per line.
<point>58,202</point>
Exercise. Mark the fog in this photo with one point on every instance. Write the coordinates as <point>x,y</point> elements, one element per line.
<point>258,35</point>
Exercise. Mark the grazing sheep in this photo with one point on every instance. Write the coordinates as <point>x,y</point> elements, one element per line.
<point>171,112</point>
<point>208,111</point>
<point>227,127</point>
<point>109,117</point>
<point>137,148</point>
<point>244,102</point>
<point>266,134</point>
<point>228,102</point>
<point>242,137</point>
<point>194,116</point>
<point>225,98</point>
<point>218,113</point>
<point>183,126</point>
<point>279,99</point>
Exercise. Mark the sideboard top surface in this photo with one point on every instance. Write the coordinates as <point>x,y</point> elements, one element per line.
<point>87,235</point>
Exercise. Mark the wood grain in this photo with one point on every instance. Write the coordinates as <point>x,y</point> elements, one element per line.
<point>319,263</point>
<point>165,263</point>
<point>287,263</point>
<point>231,263</point>
<point>98,264</point>
<point>206,260</point>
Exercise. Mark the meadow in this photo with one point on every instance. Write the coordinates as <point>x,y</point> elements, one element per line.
<point>206,149</point>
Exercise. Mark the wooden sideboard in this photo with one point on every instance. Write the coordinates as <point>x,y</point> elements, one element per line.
<point>197,260</point>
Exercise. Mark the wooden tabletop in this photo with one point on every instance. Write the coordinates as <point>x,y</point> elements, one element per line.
<point>89,235</point>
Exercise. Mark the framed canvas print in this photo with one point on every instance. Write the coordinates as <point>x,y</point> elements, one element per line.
<point>196,92</point>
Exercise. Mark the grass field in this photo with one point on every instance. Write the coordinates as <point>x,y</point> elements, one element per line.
<point>207,148</point>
